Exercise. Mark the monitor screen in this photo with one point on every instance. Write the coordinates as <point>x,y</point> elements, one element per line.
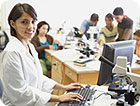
<point>110,52</point>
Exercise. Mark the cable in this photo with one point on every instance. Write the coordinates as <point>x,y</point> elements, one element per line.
<point>106,93</point>
<point>99,96</point>
<point>135,97</point>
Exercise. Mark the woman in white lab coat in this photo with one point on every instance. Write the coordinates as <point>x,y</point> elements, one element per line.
<point>23,80</point>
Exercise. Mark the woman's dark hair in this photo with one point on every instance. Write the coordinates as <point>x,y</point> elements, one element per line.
<point>16,13</point>
<point>94,17</point>
<point>137,33</point>
<point>40,24</point>
<point>109,15</point>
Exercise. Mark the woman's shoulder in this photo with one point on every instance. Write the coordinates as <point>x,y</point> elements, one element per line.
<point>115,25</point>
<point>103,28</point>
<point>49,37</point>
<point>13,49</point>
<point>14,45</point>
<point>35,40</point>
<point>115,28</point>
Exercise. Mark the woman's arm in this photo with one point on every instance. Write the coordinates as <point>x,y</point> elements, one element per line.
<point>17,89</point>
<point>37,45</point>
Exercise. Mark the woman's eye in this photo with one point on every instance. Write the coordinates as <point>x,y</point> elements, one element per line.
<point>33,22</point>
<point>24,22</point>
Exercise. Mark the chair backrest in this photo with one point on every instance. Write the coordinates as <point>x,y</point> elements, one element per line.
<point>3,40</point>
<point>1,88</point>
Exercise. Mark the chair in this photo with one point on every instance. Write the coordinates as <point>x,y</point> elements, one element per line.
<point>1,89</point>
<point>3,40</point>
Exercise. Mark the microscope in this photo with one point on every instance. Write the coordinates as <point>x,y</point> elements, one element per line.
<point>93,31</point>
<point>129,83</point>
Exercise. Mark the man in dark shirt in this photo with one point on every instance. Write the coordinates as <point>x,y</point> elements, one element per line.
<point>125,25</point>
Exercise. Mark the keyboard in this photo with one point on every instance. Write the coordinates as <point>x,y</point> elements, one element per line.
<point>87,94</point>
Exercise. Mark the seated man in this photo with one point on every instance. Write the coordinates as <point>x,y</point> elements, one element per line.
<point>87,23</point>
<point>125,24</point>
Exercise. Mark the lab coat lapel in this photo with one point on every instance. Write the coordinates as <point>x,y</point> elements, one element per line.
<point>33,55</point>
<point>30,56</point>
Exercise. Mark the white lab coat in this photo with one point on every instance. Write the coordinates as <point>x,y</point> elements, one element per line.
<point>23,80</point>
<point>1,104</point>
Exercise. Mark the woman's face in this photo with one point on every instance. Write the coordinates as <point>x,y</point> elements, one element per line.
<point>137,39</point>
<point>24,26</point>
<point>43,29</point>
<point>108,21</point>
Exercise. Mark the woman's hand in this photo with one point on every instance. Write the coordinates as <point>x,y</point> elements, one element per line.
<point>56,42</point>
<point>66,97</point>
<point>51,47</point>
<point>70,97</point>
<point>73,86</point>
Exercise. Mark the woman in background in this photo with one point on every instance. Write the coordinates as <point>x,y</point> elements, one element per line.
<point>109,32</point>
<point>42,41</point>
<point>23,81</point>
<point>137,38</point>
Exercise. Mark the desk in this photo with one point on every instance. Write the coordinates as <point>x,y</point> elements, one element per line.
<point>85,75</point>
<point>72,73</point>
<point>64,71</point>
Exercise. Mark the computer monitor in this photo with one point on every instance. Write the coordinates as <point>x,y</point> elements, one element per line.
<point>111,51</point>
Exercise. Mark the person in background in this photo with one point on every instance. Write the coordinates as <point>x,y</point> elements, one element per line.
<point>125,25</point>
<point>137,38</point>
<point>23,79</point>
<point>87,23</point>
<point>109,32</point>
<point>43,41</point>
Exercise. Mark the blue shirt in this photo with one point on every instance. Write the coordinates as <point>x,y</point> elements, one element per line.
<point>85,26</point>
<point>47,43</point>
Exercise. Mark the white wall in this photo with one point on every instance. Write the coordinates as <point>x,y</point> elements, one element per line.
<point>55,12</point>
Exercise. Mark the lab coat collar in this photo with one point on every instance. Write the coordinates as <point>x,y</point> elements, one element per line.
<point>23,49</point>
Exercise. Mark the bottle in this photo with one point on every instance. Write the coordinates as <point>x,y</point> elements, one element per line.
<point>61,29</point>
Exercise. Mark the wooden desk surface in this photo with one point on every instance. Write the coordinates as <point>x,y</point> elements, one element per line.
<point>78,73</point>
<point>50,51</point>
<point>90,67</point>
<point>66,56</point>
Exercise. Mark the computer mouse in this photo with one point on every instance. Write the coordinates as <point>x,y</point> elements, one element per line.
<point>87,86</point>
